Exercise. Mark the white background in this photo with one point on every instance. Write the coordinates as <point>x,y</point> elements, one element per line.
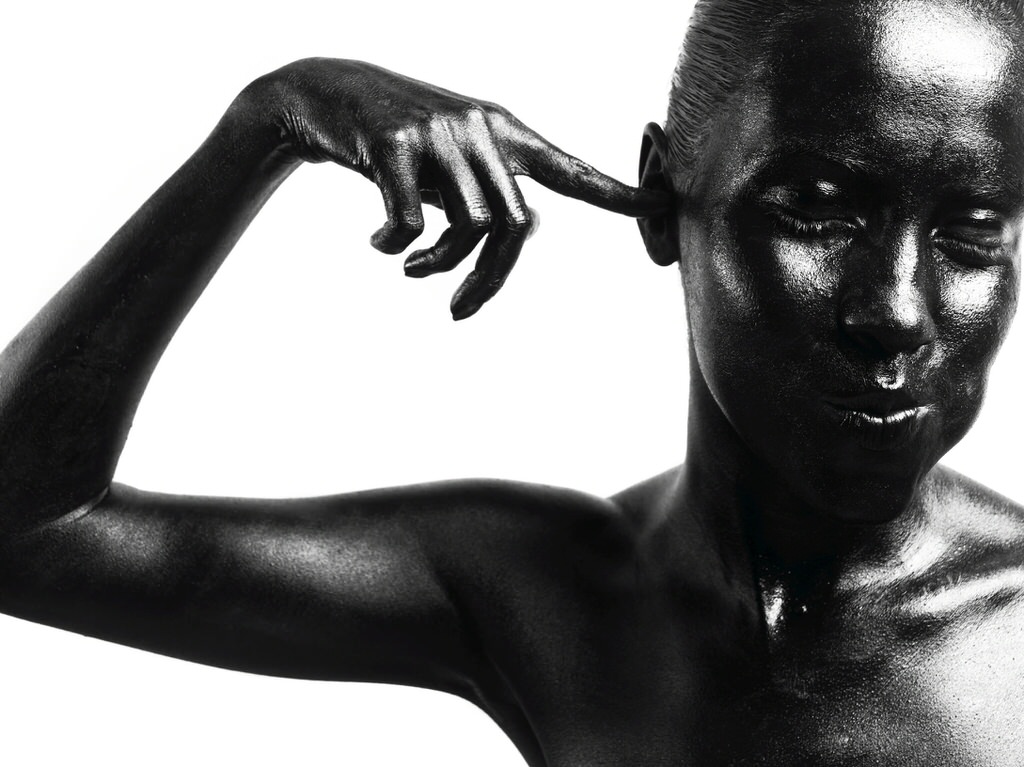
<point>313,366</point>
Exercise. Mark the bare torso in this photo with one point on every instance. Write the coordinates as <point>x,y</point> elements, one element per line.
<point>910,659</point>
<point>904,658</point>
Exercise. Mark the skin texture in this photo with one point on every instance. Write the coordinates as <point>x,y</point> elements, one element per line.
<point>723,613</point>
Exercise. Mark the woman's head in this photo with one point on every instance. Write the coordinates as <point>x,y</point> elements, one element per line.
<point>851,186</point>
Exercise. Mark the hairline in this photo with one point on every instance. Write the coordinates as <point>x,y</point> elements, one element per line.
<point>727,34</point>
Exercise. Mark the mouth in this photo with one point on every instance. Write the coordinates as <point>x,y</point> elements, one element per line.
<point>878,420</point>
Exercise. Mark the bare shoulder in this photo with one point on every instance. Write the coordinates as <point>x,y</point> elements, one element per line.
<point>965,504</point>
<point>959,559</point>
<point>527,522</point>
<point>646,505</point>
<point>537,552</point>
<point>981,529</point>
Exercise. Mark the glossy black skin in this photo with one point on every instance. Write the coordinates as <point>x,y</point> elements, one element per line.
<point>737,610</point>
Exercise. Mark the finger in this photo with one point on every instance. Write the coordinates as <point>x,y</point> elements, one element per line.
<point>450,250</point>
<point>400,189</point>
<point>570,176</point>
<point>467,209</point>
<point>512,225</point>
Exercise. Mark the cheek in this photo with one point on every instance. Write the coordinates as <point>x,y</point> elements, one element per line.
<point>979,302</point>
<point>974,313</point>
<point>800,273</point>
<point>776,288</point>
<point>762,311</point>
<point>719,286</point>
<point>976,306</point>
<point>800,282</point>
<point>753,278</point>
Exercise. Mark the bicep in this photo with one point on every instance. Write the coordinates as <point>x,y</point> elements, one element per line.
<point>332,588</point>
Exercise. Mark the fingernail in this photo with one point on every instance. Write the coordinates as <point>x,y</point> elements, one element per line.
<point>463,309</point>
<point>382,241</point>
<point>418,264</point>
<point>464,303</point>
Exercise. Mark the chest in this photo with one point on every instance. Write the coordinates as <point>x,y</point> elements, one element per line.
<point>865,684</point>
<point>890,684</point>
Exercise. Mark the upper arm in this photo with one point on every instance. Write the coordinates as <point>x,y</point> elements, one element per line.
<point>332,588</point>
<point>367,586</point>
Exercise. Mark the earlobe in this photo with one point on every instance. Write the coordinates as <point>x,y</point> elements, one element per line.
<point>658,232</point>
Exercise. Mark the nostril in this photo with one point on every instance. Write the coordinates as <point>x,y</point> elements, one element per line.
<point>887,325</point>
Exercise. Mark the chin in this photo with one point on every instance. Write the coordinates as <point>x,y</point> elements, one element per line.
<point>853,480</point>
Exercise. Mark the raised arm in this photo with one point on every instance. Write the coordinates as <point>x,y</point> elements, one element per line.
<point>345,587</point>
<point>71,380</point>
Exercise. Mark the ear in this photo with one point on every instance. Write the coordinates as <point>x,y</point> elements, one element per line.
<point>659,233</point>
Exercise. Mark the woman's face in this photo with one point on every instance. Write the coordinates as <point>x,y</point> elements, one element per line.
<point>852,265</point>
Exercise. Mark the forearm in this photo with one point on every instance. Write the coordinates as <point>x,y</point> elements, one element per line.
<point>70,382</point>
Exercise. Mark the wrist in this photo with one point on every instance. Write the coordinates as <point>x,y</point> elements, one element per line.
<point>310,107</point>
<point>255,124</point>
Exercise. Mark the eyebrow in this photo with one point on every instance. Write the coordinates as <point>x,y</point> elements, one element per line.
<point>784,161</point>
<point>854,166</point>
<point>1007,195</point>
<point>1003,190</point>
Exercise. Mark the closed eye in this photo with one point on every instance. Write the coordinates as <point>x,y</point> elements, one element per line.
<point>977,239</point>
<point>805,225</point>
<point>820,210</point>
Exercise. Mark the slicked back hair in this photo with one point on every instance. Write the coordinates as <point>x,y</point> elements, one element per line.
<point>723,41</point>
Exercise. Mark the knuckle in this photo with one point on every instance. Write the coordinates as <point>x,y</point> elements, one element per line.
<point>503,120</point>
<point>495,109</point>
<point>400,136</point>
<point>410,222</point>
<point>479,220</point>
<point>438,126</point>
<point>580,169</point>
<point>519,221</point>
<point>474,116</point>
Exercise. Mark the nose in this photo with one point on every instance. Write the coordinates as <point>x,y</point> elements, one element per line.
<point>887,306</point>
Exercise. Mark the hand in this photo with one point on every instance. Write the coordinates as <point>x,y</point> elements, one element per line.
<point>420,143</point>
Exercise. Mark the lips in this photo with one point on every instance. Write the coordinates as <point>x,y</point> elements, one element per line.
<point>878,420</point>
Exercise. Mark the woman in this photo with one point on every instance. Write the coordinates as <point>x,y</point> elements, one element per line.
<point>850,268</point>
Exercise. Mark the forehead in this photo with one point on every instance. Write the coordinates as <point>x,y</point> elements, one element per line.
<point>911,86</point>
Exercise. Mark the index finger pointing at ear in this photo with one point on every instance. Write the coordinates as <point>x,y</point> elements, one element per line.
<point>570,176</point>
